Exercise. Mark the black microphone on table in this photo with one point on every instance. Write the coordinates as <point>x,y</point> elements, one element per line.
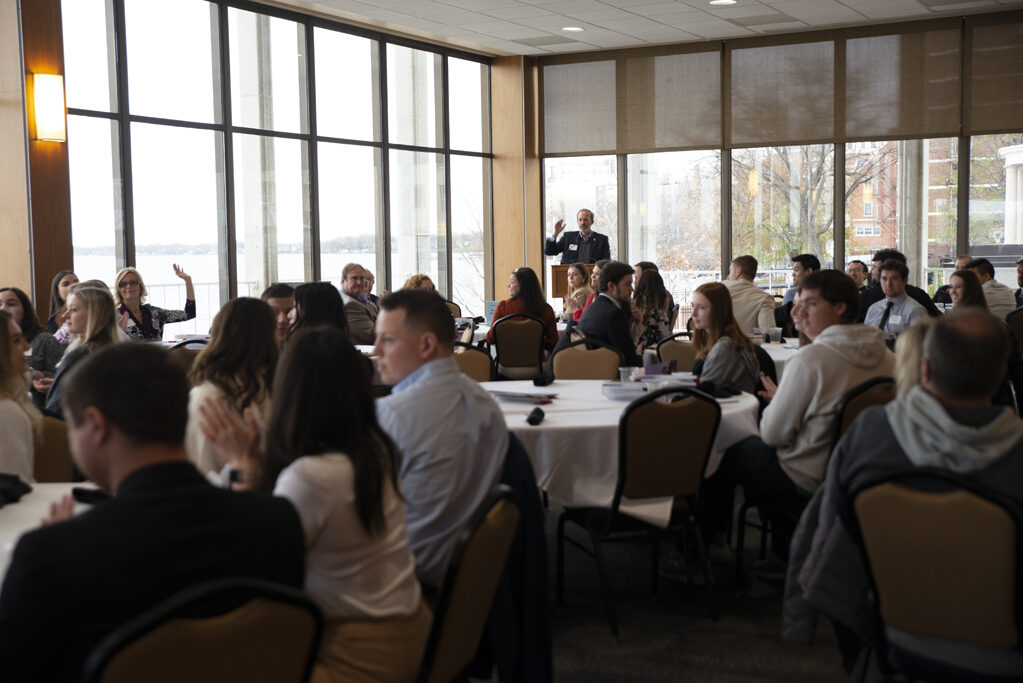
<point>535,416</point>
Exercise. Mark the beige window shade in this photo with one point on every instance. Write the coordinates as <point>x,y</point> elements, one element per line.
<point>579,107</point>
<point>782,93</point>
<point>670,101</point>
<point>904,84</point>
<point>996,78</point>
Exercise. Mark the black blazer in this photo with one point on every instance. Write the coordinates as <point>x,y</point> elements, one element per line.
<point>604,321</point>
<point>166,529</point>
<point>568,245</point>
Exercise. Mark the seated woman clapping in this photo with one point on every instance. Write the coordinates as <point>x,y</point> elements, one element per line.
<point>326,453</point>
<point>46,350</point>
<point>237,365</point>
<point>727,353</point>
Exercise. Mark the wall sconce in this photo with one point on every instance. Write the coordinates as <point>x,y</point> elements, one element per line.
<point>753,183</point>
<point>48,107</point>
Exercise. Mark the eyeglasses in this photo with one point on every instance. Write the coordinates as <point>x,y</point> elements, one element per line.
<point>128,283</point>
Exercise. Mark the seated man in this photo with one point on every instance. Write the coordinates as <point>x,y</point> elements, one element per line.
<point>946,421</point>
<point>449,431</point>
<point>857,270</point>
<point>802,266</point>
<point>785,464</point>
<point>874,293</point>
<point>607,319</point>
<point>165,529</point>
<point>752,306</point>
<point>281,298</point>
<point>1001,300</point>
<point>360,312</point>
<point>896,311</point>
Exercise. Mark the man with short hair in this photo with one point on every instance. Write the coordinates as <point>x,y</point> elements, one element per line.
<point>1000,299</point>
<point>786,462</point>
<point>449,431</point>
<point>359,310</point>
<point>857,270</point>
<point>281,299</point>
<point>607,318</point>
<point>802,266</point>
<point>874,293</point>
<point>948,422</point>
<point>896,311</point>
<point>942,295</point>
<point>752,306</point>
<point>370,281</point>
<point>165,528</point>
<point>584,246</point>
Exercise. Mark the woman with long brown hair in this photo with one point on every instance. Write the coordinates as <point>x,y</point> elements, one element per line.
<point>237,364</point>
<point>19,419</point>
<point>965,290</point>
<point>726,352</point>
<point>652,301</point>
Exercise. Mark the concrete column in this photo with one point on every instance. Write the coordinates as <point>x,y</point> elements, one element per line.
<point>911,203</point>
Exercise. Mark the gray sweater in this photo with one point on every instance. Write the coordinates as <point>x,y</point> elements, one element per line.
<point>726,363</point>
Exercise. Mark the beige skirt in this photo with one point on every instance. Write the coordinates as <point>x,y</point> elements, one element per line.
<point>378,651</point>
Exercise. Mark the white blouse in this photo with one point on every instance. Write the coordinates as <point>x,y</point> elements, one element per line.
<point>202,453</point>
<point>17,452</point>
<point>349,574</point>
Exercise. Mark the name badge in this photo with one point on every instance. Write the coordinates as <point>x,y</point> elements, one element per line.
<point>895,320</point>
<point>573,247</point>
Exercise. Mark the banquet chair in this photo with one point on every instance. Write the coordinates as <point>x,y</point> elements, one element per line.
<point>473,362</point>
<point>944,556</point>
<point>651,464</point>
<point>184,354</point>
<point>476,564</point>
<point>456,310</point>
<point>518,339</point>
<point>52,453</point>
<point>671,348</point>
<point>225,630</point>
<point>586,358</point>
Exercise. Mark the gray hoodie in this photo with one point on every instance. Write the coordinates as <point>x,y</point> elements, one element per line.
<point>800,418</point>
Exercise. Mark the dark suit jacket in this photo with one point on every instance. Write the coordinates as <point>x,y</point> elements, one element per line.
<point>604,321</point>
<point>166,529</point>
<point>873,294</point>
<point>572,249</point>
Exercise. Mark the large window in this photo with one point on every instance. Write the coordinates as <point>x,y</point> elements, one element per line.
<point>247,163</point>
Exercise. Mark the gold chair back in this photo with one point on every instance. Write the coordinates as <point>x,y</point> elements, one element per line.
<point>473,573</point>
<point>519,343</point>
<point>473,363</point>
<point>683,353</point>
<point>578,362</point>
<point>53,453</point>
<point>944,563</point>
<point>455,309</point>
<point>875,392</point>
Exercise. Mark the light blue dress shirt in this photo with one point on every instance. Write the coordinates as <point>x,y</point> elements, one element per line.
<point>452,439</point>
<point>904,311</point>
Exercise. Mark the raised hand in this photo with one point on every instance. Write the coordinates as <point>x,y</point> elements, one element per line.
<point>181,273</point>
<point>559,226</point>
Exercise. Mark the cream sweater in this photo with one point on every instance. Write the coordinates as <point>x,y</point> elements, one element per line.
<point>751,306</point>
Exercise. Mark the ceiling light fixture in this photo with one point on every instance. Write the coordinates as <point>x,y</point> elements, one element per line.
<point>723,2</point>
<point>572,28</point>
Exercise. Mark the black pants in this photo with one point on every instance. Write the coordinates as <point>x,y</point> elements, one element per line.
<point>754,465</point>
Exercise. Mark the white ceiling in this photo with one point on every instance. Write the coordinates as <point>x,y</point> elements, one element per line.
<point>533,27</point>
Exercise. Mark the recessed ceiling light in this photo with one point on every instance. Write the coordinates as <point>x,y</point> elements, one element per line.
<point>572,28</point>
<point>723,2</point>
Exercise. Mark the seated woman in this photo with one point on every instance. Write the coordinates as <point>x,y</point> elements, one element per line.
<point>20,422</point>
<point>419,281</point>
<point>594,280</point>
<point>651,300</point>
<point>46,351</point>
<point>965,290</point>
<point>144,321</point>
<point>579,291</point>
<point>92,322</point>
<point>341,475</point>
<point>527,297</point>
<point>317,303</point>
<point>239,373</point>
<point>62,282</point>
<point>726,352</point>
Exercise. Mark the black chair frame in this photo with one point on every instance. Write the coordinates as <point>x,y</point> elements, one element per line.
<point>187,343</point>
<point>608,521</point>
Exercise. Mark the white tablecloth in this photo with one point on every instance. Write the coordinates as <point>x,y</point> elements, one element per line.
<point>574,451</point>
<point>17,518</point>
<point>780,353</point>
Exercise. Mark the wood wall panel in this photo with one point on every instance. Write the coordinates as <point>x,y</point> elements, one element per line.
<point>42,43</point>
<point>517,211</point>
<point>16,252</point>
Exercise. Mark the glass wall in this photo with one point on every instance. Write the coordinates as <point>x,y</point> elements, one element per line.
<point>247,163</point>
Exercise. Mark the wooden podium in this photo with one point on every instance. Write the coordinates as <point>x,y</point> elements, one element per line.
<point>559,279</point>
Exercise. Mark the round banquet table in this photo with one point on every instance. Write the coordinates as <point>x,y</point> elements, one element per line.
<point>574,451</point>
<point>780,353</point>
